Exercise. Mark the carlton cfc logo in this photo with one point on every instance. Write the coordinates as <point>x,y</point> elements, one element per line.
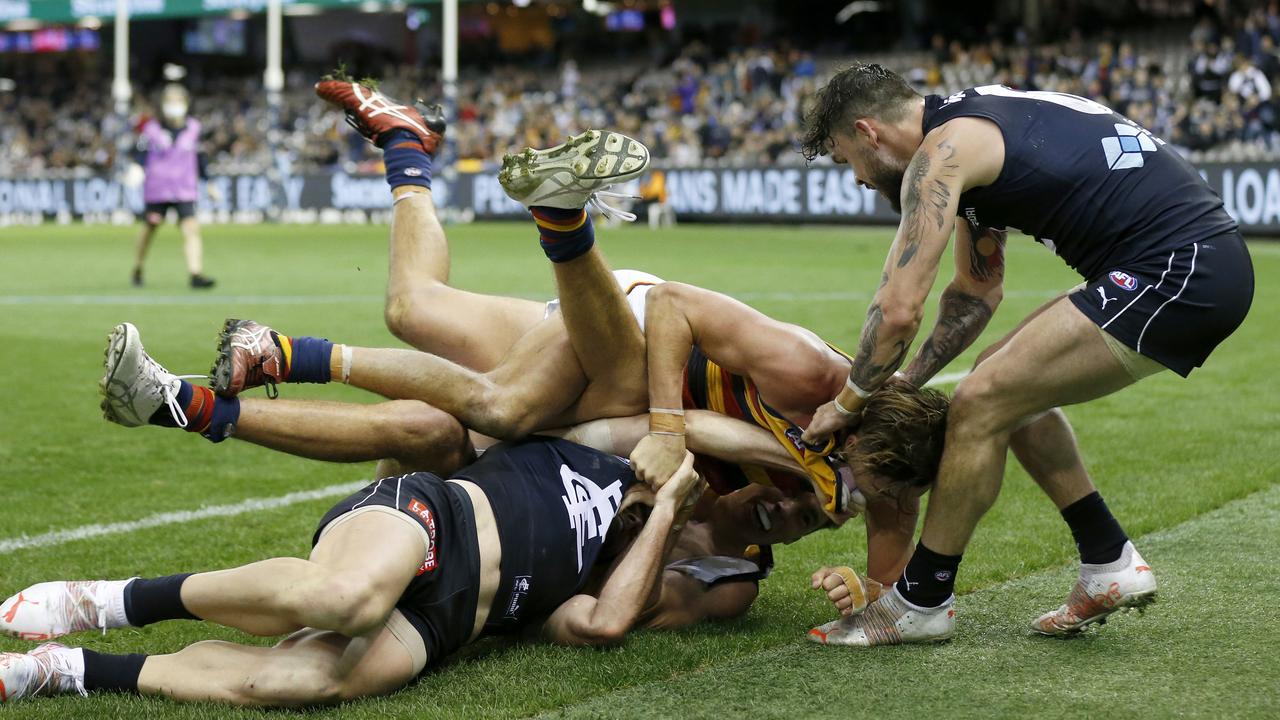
<point>1124,280</point>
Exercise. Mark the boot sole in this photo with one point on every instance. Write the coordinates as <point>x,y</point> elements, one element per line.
<point>595,157</point>
<point>1139,601</point>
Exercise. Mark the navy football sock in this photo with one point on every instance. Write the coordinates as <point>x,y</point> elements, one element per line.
<point>1099,538</point>
<point>222,422</point>
<point>112,673</point>
<point>930,577</point>
<point>407,161</point>
<point>566,234</point>
<point>150,600</point>
<point>309,360</point>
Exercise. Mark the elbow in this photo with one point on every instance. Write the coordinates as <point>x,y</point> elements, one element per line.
<point>605,634</point>
<point>901,320</point>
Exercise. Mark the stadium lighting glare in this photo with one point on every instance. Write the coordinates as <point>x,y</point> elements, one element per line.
<point>174,73</point>
<point>521,3</point>
<point>300,9</point>
<point>7,85</point>
<point>89,22</point>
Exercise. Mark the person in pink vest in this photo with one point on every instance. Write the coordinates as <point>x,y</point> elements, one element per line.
<point>173,166</point>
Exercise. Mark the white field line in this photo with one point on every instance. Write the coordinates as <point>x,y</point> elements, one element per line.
<point>947,378</point>
<point>85,532</point>
<point>204,299</point>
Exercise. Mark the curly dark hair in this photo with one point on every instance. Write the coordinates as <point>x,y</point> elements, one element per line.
<point>901,436</point>
<point>859,91</point>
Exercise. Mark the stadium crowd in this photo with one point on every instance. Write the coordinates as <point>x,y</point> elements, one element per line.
<point>1217,96</point>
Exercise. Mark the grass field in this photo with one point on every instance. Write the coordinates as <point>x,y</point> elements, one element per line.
<point>1190,468</point>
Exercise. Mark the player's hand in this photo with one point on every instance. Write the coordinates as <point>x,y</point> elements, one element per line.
<point>215,193</point>
<point>827,421</point>
<point>846,589</point>
<point>683,489</point>
<point>658,457</point>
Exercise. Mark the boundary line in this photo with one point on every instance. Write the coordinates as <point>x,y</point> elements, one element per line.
<point>85,532</point>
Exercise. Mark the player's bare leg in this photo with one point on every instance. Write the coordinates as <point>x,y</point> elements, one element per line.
<point>413,434</point>
<point>308,668</point>
<point>425,311</point>
<point>192,245</point>
<point>349,587</point>
<point>143,245</point>
<point>1045,445</point>
<point>532,386</point>
<point>555,185</point>
<point>422,309</point>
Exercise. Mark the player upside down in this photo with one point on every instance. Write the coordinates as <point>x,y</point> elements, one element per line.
<point>507,367</point>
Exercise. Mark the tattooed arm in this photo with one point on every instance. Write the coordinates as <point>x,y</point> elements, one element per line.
<point>954,157</point>
<point>967,303</point>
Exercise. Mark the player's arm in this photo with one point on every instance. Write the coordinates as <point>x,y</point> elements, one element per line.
<point>606,618</point>
<point>966,305</point>
<point>736,336</point>
<point>706,433</point>
<point>951,159</point>
<point>891,526</point>
<point>686,601</point>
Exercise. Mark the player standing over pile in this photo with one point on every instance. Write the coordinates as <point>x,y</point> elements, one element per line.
<point>1168,279</point>
<point>174,166</point>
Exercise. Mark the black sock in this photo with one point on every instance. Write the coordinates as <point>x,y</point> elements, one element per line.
<point>112,673</point>
<point>1099,537</point>
<point>930,577</point>
<point>151,600</point>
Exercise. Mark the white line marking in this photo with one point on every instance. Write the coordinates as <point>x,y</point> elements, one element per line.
<point>181,300</point>
<point>184,299</point>
<point>947,378</point>
<point>60,537</point>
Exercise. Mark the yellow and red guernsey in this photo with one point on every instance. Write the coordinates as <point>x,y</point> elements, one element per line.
<point>707,386</point>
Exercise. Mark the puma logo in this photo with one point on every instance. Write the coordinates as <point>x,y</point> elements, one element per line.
<point>1105,299</point>
<point>13,611</point>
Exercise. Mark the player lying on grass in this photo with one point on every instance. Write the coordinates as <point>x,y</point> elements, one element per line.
<point>774,374</point>
<point>540,534</point>
<point>1168,278</point>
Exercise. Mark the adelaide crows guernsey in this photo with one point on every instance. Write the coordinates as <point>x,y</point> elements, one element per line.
<point>1085,181</point>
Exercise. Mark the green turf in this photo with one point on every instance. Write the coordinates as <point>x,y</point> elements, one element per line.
<point>1167,454</point>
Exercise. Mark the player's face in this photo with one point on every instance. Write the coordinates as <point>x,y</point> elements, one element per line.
<point>873,166</point>
<point>769,517</point>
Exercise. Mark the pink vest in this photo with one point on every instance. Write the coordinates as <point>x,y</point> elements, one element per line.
<point>172,166</point>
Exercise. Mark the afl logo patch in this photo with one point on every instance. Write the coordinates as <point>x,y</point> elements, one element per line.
<point>1123,280</point>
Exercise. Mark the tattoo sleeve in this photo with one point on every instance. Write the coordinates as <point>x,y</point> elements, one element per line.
<point>961,318</point>
<point>928,197</point>
<point>927,211</point>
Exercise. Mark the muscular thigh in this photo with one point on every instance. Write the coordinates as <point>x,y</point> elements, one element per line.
<point>474,330</point>
<point>373,664</point>
<point>1057,357</point>
<point>541,375</point>
<point>382,547</point>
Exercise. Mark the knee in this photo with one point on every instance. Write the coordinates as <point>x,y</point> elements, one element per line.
<point>281,679</point>
<point>425,437</point>
<point>977,409</point>
<point>408,310</point>
<point>505,415</point>
<point>350,606</point>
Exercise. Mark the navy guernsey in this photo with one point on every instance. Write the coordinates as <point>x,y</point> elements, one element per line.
<point>553,502</point>
<point>1085,181</point>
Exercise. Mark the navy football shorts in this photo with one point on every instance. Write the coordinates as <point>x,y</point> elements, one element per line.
<point>1174,308</point>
